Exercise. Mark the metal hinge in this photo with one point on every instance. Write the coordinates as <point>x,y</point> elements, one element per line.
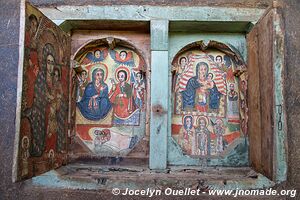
<point>279,123</point>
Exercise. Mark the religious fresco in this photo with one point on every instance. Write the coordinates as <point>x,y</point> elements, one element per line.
<point>111,93</point>
<point>44,106</point>
<point>208,101</point>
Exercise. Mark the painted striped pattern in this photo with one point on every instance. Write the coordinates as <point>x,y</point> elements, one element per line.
<point>186,75</point>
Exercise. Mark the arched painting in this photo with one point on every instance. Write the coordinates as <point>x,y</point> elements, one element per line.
<point>207,102</point>
<point>110,99</point>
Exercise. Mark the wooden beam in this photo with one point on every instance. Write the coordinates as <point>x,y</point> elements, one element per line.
<point>159,35</point>
<point>147,13</point>
<point>159,95</point>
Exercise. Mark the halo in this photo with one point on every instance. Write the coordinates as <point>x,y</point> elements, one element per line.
<point>59,71</point>
<point>136,72</point>
<point>202,58</point>
<point>51,154</point>
<point>97,132</point>
<point>22,143</point>
<point>219,55</point>
<point>202,117</point>
<point>179,58</point>
<point>48,49</point>
<point>101,66</point>
<point>122,68</point>
<point>184,116</point>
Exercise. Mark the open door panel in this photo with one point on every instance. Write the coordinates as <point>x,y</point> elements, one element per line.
<point>43,95</point>
<point>264,40</point>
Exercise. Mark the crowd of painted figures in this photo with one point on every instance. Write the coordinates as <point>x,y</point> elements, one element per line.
<point>124,98</point>
<point>197,140</point>
<point>204,103</point>
<point>44,95</point>
<point>110,98</point>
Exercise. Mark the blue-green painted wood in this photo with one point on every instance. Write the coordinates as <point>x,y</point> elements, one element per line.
<point>236,156</point>
<point>52,179</point>
<point>159,35</point>
<point>159,94</point>
<point>147,13</point>
<point>178,40</point>
<point>280,113</point>
<point>159,108</point>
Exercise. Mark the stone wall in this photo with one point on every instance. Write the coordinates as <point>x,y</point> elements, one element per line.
<point>292,90</point>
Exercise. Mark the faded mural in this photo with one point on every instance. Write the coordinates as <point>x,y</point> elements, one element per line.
<point>207,102</point>
<point>44,108</point>
<point>110,108</point>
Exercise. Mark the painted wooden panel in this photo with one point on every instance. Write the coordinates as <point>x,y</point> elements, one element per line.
<point>262,101</point>
<point>266,75</point>
<point>206,118</point>
<point>237,154</point>
<point>141,43</point>
<point>267,133</point>
<point>254,124</point>
<point>111,94</point>
<point>139,39</point>
<point>42,127</point>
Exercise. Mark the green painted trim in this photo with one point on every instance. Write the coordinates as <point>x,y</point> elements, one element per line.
<point>159,31</point>
<point>159,94</point>
<point>280,135</point>
<point>178,40</point>
<point>176,157</point>
<point>52,179</point>
<point>159,107</point>
<point>236,156</point>
<point>210,26</point>
<point>175,26</point>
<point>58,22</point>
<point>146,13</point>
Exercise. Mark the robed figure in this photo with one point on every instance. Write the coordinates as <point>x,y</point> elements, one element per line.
<point>203,137</point>
<point>187,138</point>
<point>95,103</point>
<point>120,95</point>
<point>200,94</point>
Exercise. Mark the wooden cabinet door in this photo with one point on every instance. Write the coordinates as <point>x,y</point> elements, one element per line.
<point>43,96</point>
<point>265,65</point>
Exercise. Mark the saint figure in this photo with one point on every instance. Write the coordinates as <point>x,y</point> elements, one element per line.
<point>120,95</point>
<point>95,103</point>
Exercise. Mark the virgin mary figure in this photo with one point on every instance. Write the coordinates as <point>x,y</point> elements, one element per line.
<point>95,103</point>
<point>194,95</point>
<point>201,92</point>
